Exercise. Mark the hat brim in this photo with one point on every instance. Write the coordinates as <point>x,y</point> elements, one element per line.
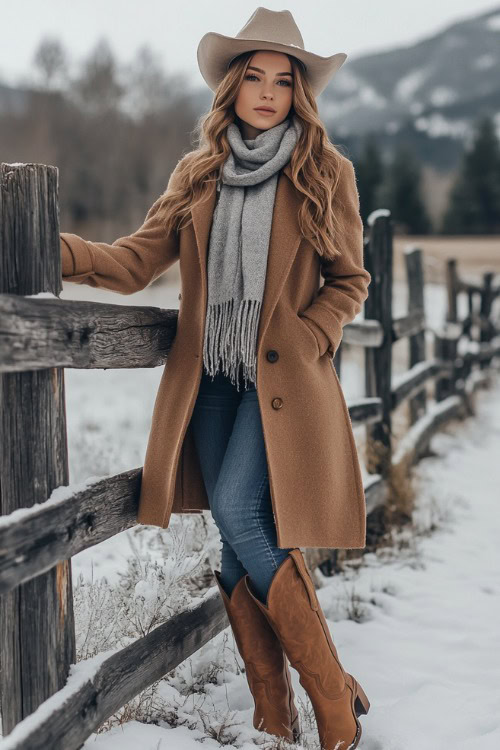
<point>215,52</point>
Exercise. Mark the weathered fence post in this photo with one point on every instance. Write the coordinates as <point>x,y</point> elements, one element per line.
<point>378,361</point>
<point>415,280</point>
<point>445,348</point>
<point>487,329</point>
<point>452,288</point>
<point>37,639</point>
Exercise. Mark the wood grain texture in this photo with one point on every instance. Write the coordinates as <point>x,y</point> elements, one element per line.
<point>378,370</point>
<point>120,677</point>
<point>41,333</point>
<point>55,531</point>
<point>37,640</point>
<point>415,279</point>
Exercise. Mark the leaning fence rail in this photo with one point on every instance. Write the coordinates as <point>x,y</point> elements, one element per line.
<point>43,703</point>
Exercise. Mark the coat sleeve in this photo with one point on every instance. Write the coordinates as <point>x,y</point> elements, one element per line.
<point>130,263</point>
<point>346,283</point>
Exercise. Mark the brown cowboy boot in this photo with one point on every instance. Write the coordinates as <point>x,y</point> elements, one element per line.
<point>267,671</point>
<point>294,612</point>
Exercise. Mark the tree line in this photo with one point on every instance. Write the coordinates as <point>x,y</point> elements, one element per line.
<point>473,204</point>
<point>116,132</point>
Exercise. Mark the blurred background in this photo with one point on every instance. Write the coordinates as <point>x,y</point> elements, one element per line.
<point>109,92</point>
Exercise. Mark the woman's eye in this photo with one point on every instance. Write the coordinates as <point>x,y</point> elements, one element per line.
<point>252,75</point>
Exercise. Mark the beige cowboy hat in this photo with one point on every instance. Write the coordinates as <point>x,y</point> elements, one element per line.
<point>265,29</point>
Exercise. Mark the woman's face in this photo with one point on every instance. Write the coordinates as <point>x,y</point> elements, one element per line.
<point>268,82</point>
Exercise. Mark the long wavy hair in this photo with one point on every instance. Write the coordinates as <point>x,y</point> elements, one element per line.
<point>315,162</point>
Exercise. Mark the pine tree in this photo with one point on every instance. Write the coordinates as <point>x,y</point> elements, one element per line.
<point>474,204</point>
<point>401,194</point>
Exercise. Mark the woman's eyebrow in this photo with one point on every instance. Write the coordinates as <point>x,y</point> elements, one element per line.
<point>251,67</point>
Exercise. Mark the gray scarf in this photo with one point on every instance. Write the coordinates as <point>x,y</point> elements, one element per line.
<point>238,247</point>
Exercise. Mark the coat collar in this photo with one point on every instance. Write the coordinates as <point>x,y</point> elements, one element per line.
<point>283,243</point>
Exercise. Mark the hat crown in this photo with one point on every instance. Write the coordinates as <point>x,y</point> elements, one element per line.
<point>272,26</point>
<point>264,30</point>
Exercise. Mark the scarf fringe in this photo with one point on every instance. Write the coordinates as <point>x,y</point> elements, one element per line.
<point>231,340</point>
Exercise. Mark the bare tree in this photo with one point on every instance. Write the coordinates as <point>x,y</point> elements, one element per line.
<point>147,85</point>
<point>50,62</point>
<point>97,89</point>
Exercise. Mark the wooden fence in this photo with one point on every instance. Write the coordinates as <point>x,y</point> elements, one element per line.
<point>43,704</point>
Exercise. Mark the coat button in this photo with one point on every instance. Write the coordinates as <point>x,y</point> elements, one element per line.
<point>180,296</point>
<point>272,355</point>
<point>277,403</point>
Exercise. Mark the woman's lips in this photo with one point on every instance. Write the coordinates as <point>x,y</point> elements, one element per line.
<point>264,111</point>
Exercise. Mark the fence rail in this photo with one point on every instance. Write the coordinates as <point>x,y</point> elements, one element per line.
<point>41,335</point>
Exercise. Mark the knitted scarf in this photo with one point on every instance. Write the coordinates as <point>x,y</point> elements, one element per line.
<point>238,247</point>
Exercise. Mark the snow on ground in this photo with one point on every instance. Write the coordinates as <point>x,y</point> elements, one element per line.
<point>417,624</point>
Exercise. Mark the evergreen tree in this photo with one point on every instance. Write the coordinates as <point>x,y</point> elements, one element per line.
<point>474,204</point>
<point>401,194</point>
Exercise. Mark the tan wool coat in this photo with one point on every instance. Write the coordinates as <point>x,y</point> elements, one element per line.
<point>314,473</point>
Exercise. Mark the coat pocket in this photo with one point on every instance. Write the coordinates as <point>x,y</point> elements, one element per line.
<point>309,333</point>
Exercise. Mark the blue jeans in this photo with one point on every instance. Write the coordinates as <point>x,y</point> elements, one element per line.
<point>227,431</point>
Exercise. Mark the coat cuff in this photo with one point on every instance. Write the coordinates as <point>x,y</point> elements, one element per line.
<point>75,256</point>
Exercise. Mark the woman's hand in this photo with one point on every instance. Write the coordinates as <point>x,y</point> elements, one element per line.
<point>341,297</point>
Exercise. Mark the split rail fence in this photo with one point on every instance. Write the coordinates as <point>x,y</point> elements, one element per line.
<point>44,705</point>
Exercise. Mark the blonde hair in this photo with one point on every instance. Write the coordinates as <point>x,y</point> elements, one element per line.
<point>315,162</point>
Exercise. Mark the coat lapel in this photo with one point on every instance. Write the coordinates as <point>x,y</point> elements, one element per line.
<point>283,243</point>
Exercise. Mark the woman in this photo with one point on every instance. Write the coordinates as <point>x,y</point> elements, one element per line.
<point>250,420</point>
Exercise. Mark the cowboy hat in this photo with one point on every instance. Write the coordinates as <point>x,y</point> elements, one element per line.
<point>265,29</point>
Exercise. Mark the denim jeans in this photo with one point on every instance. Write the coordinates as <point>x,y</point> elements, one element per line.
<point>227,431</point>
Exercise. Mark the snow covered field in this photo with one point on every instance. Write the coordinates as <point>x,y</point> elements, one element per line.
<point>416,623</point>
<point>427,649</point>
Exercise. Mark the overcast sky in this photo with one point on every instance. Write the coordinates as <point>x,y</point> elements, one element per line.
<point>173,29</point>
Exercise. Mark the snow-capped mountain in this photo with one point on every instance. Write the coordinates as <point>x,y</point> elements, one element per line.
<point>440,84</point>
